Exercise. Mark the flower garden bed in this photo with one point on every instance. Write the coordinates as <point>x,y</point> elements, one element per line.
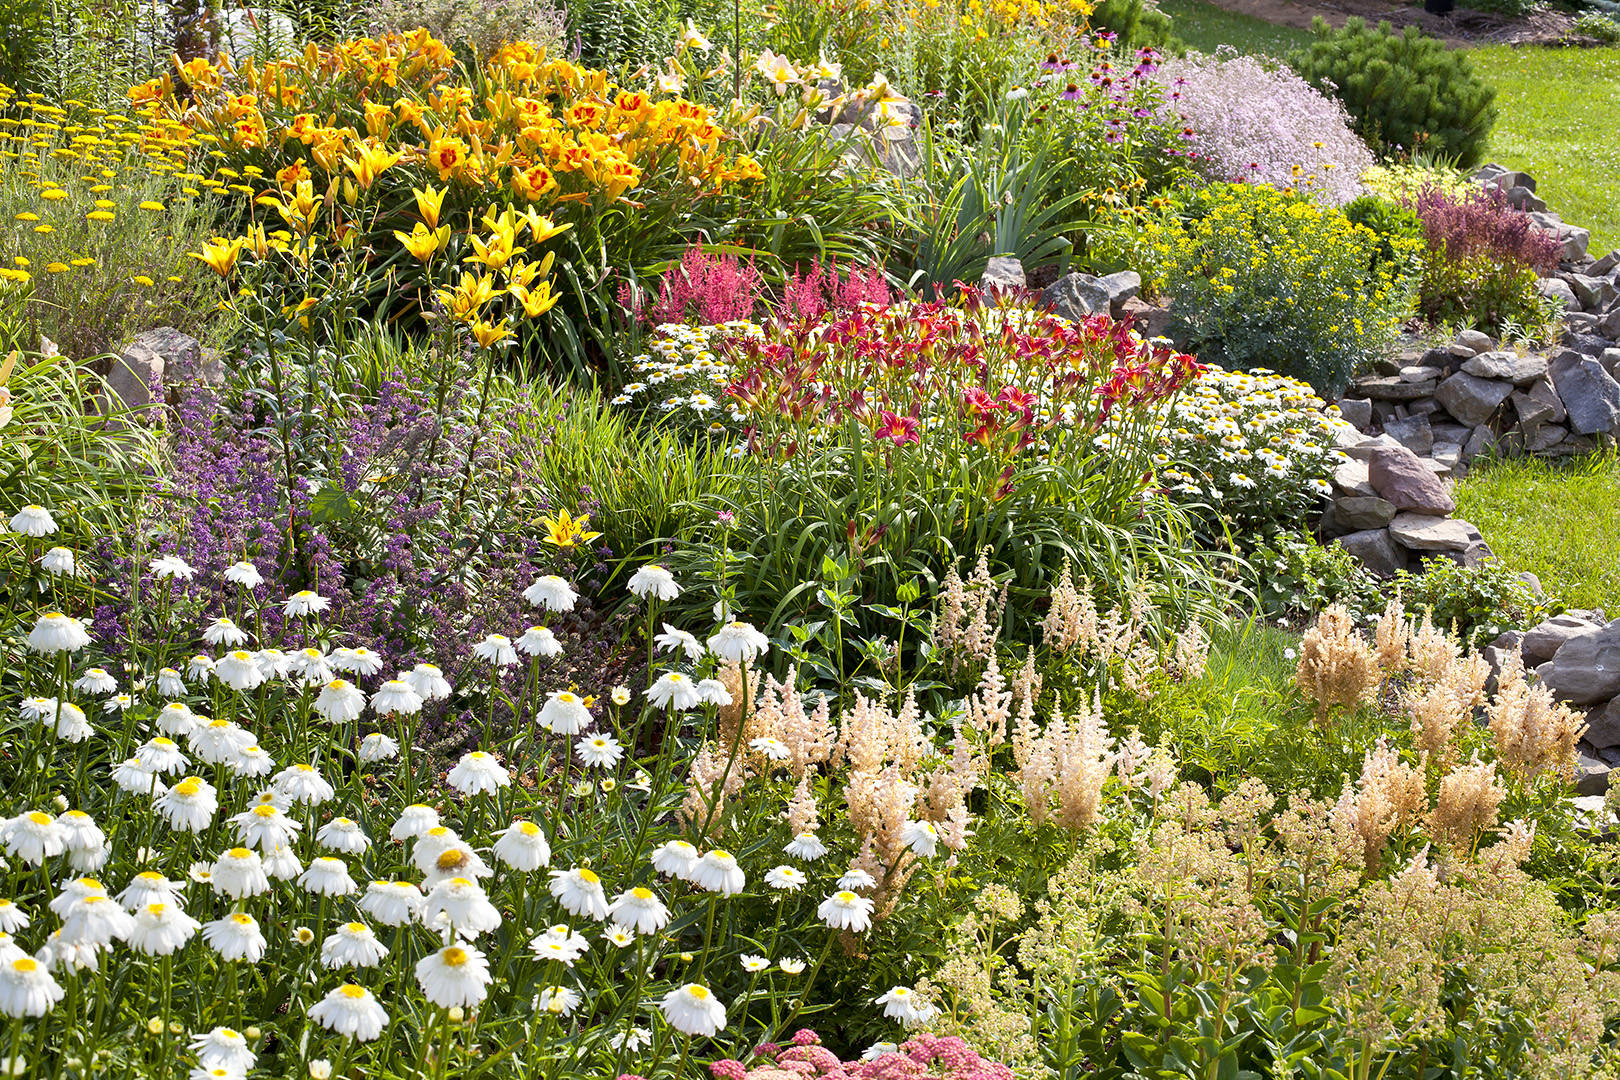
<point>855,541</point>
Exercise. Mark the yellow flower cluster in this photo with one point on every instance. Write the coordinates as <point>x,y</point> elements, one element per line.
<point>536,130</point>
<point>68,170</point>
<point>387,145</point>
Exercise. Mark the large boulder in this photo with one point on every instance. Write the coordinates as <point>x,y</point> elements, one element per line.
<point>1603,725</point>
<point>1542,641</point>
<point>1470,398</point>
<point>1374,549</point>
<point>1003,272</point>
<point>1076,296</point>
<point>1587,668</point>
<point>1516,369</point>
<point>1412,432</point>
<point>1590,394</point>
<point>1427,532</point>
<point>135,376</point>
<point>1121,287</point>
<point>1400,476</point>
<point>1354,513</point>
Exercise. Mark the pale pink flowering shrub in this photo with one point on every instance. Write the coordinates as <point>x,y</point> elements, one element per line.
<point>1268,127</point>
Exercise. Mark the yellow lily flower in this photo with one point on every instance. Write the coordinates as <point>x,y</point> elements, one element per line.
<point>429,203</point>
<point>220,254</point>
<point>536,301</point>
<point>566,531</point>
<point>422,242</point>
<point>490,335</point>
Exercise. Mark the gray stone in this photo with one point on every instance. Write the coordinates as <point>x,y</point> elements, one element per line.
<point>1351,478</point>
<point>1364,450</point>
<point>1075,296</point>
<point>1374,549</point>
<point>1606,265</point>
<point>1420,373</point>
<point>1414,433</point>
<point>1003,272</point>
<point>1470,398</point>
<point>1532,583</point>
<point>1611,362</point>
<point>1423,407</point>
<point>1591,775</point>
<point>1476,341</point>
<point>1357,412</point>
<point>1516,369</point>
<point>1482,440</point>
<point>1586,344</point>
<point>1591,394</point>
<point>1353,513</point>
<point>1448,454</point>
<point>1427,532</point>
<point>1542,391</point>
<point>1594,293</point>
<point>1400,476</point>
<point>1121,287</point>
<point>1532,411</point>
<point>1545,437</point>
<point>1522,198</point>
<point>1553,289</point>
<point>1542,641</point>
<point>1575,241</point>
<point>138,370</point>
<point>1580,322</point>
<point>1386,388</point>
<point>1450,433</point>
<point>1587,668</point>
<point>1603,726</point>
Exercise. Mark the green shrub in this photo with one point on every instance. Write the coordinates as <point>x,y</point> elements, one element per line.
<point>1394,224</point>
<point>1259,278</point>
<point>1405,92</point>
<point>1295,576</point>
<point>1595,24</point>
<point>1478,602</point>
<point>1137,22</point>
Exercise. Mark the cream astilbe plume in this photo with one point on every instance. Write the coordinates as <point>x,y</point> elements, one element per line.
<point>1466,803</point>
<point>1392,634</point>
<point>1336,667</point>
<point>803,811</point>
<point>968,622</point>
<point>1189,659</point>
<point>706,794</point>
<point>1533,732</point>
<point>1431,652</point>
<point>1071,622</point>
<point>1387,798</point>
<point>1082,759</point>
<point>731,724</point>
<point>1438,708</point>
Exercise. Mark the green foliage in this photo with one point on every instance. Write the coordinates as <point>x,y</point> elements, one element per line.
<point>1511,9</point>
<point>1296,577</point>
<point>1406,92</point>
<point>1556,519</point>
<point>1137,23</point>
<point>1260,278</point>
<point>90,472</point>
<point>1598,26</point>
<point>1476,603</point>
<point>1399,231</point>
<point>615,34</point>
<point>1486,290</point>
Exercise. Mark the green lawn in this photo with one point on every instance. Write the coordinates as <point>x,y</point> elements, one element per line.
<point>1559,112</point>
<point>1560,520</point>
<point>1559,109</point>
<point>1204,26</point>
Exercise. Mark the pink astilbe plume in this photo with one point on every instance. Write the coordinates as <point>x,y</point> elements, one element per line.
<point>810,295</point>
<point>922,1057</point>
<point>701,289</point>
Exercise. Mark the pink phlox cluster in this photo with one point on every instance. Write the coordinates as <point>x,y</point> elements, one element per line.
<point>1260,126</point>
<point>923,1057</point>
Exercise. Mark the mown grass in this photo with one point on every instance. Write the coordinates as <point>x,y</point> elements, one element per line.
<point>1558,109</point>
<point>1205,27</point>
<point>1559,520</point>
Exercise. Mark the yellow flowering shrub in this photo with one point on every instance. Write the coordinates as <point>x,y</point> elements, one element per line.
<point>97,212</point>
<point>1264,278</point>
<point>442,183</point>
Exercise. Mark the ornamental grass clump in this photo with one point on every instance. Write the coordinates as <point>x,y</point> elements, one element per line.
<point>1262,278</point>
<point>1267,126</point>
